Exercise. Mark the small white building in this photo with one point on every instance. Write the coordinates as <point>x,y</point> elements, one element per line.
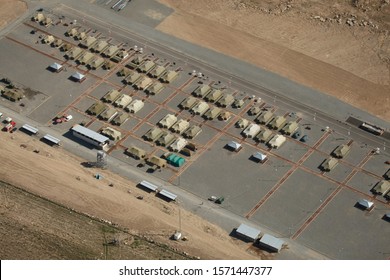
<point>259,157</point>
<point>365,204</point>
<point>234,146</point>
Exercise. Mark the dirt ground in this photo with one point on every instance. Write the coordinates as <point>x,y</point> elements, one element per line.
<point>339,47</point>
<point>59,176</point>
<point>34,228</point>
<point>10,9</point>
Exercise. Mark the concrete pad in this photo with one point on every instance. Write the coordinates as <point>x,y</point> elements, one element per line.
<point>294,202</point>
<point>345,232</point>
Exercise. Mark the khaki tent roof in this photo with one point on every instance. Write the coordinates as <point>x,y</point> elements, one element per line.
<point>179,144</point>
<point>160,162</point>
<point>264,135</point>
<point>120,119</point>
<point>108,114</point>
<point>254,110</point>
<point>112,133</point>
<point>48,39</point>
<point>145,67</point>
<point>290,127</point>
<point>125,72</point>
<point>166,139</point>
<point>66,47</point>
<point>85,57</point>
<point>192,132</point>
<point>169,76</point>
<point>153,134</point>
<point>137,59</point>
<point>46,21</point>
<point>100,46</point>
<point>225,100</point>
<point>57,42</point>
<point>329,164</point>
<point>136,152</point>
<point>96,108</point>
<point>108,64</point>
<point>188,103</point>
<point>277,141</point>
<point>144,83</point>
<point>225,115</point>
<point>168,121</point>
<point>96,62</point>
<point>214,95</point>
<point>200,108</point>
<point>264,117</point>
<point>341,151</point>
<point>133,78</point>
<point>155,88</point>
<point>111,51</point>
<point>180,126</point>
<point>74,53</point>
<point>251,130</point>
<point>81,35</point>
<point>212,113</point>
<point>13,94</point>
<point>242,123</point>
<point>123,101</point>
<point>111,96</point>
<point>277,122</point>
<point>238,103</point>
<point>135,106</point>
<point>381,187</point>
<point>39,17</point>
<point>157,72</point>
<point>120,55</point>
<point>72,32</point>
<point>201,91</point>
<point>88,42</point>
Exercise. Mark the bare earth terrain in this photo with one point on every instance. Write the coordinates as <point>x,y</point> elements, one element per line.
<point>34,228</point>
<point>60,177</point>
<point>10,9</point>
<point>339,47</point>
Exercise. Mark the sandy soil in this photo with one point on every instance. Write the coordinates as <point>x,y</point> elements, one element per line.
<point>59,176</point>
<point>11,9</point>
<point>349,62</point>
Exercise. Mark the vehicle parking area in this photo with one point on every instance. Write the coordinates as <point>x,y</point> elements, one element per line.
<point>289,193</point>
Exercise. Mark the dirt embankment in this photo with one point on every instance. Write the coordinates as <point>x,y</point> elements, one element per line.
<point>333,46</point>
<point>59,176</point>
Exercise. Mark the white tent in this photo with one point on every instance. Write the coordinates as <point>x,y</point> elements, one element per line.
<point>365,203</point>
<point>56,66</point>
<point>259,156</point>
<point>78,76</point>
<point>234,146</point>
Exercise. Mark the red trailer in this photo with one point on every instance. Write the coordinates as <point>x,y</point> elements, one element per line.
<point>8,127</point>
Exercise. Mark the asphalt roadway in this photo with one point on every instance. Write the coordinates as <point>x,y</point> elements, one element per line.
<point>240,73</point>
